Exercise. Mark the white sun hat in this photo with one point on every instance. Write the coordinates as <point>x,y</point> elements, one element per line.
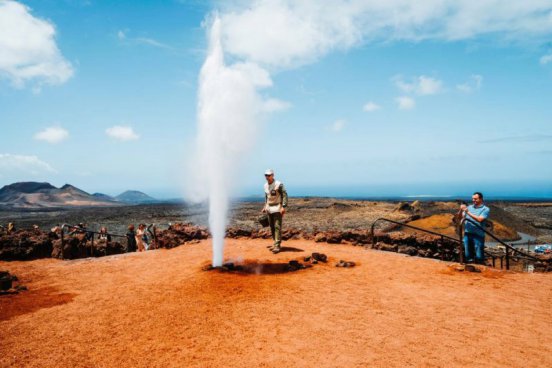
<point>269,172</point>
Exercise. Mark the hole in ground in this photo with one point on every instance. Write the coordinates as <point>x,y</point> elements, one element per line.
<point>260,268</point>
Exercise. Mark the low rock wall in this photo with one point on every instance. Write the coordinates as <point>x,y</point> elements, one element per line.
<point>27,245</point>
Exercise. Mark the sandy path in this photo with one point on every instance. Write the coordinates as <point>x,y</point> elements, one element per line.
<point>158,309</point>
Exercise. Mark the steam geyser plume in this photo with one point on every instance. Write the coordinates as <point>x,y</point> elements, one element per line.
<point>228,107</point>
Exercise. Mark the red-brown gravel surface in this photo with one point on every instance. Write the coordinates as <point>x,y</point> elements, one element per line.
<point>159,309</point>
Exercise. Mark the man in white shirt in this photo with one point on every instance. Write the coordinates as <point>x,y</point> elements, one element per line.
<point>275,206</point>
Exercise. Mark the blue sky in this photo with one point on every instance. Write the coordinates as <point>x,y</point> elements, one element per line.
<point>455,104</point>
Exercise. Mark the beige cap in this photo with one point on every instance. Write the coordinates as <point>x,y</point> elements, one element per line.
<point>269,172</point>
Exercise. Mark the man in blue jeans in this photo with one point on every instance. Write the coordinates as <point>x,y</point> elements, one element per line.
<point>474,237</point>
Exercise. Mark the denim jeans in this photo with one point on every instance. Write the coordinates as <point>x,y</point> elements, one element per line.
<point>474,242</point>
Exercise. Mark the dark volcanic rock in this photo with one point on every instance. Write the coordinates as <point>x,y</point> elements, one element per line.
<point>321,257</point>
<point>104,248</point>
<point>292,234</point>
<point>238,233</point>
<point>346,264</point>
<point>320,237</point>
<point>405,249</point>
<point>25,245</point>
<point>404,207</point>
<point>357,237</point>
<point>7,285</point>
<point>423,245</point>
<point>74,247</point>
<point>178,234</point>
<point>77,246</point>
<point>295,265</point>
<point>334,237</point>
<point>330,237</point>
<point>386,247</point>
<point>5,280</point>
<point>261,234</point>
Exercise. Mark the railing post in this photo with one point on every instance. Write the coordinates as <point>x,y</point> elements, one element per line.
<point>373,234</point>
<point>461,245</point>
<point>507,259</point>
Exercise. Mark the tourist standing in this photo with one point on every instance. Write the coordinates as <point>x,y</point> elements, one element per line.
<point>131,239</point>
<point>104,235</point>
<point>275,206</point>
<point>475,216</point>
<point>140,237</point>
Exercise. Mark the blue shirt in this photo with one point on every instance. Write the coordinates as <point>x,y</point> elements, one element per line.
<point>469,226</point>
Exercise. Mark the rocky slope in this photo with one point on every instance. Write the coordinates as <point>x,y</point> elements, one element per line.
<point>33,195</point>
<point>134,196</point>
<point>44,195</point>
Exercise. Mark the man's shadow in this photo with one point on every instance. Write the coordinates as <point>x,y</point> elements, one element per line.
<point>290,249</point>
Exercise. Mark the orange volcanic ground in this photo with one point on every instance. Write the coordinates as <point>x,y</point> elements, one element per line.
<point>160,309</point>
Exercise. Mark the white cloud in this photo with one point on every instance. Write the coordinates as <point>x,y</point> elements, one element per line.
<point>402,85</point>
<point>55,134</point>
<point>152,42</point>
<point>122,133</point>
<point>123,37</point>
<point>337,126</point>
<point>28,51</point>
<point>274,105</point>
<point>405,103</point>
<point>545,59</point>
<point>371,106</point>
<point>15,165</point>
<point>421,85</point>
<point>429,86</point>
<point>473,84</point>
<point>287,33</point>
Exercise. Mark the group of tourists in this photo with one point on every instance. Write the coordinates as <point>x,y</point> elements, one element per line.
<point>139,240</point>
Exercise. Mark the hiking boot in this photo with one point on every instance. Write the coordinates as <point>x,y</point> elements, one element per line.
<point>276,250</point>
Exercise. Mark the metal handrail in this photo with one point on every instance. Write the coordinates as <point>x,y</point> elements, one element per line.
<point>460,247</point>
<point>509,247</point>
<point>461,250</point>
<point>410,226</point>
<point>85,230</point>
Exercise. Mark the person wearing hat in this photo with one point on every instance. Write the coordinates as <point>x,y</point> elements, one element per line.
<point>275,206</point>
